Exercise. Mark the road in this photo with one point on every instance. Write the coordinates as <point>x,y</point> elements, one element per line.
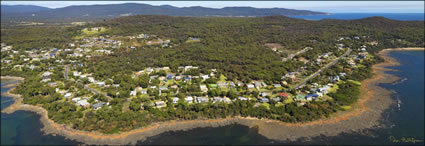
<point>322,69</point>
<point>66,72</point>
<point>95,91</point>
<point>85,86</point>
<point>295,54</point>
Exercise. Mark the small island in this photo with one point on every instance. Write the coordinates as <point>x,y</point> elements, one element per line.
<point>115,82</point>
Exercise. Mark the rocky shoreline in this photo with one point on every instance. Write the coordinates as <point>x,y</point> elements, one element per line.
<point>365,114</point>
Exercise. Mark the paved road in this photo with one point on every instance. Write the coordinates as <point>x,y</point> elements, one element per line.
<point>295,54</point>
<point>95,91</point>
<point>66,72</point>
<point>85,86</point>
<point>322,69</point>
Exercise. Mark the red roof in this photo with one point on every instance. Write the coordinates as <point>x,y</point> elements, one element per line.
<point>284,94</point>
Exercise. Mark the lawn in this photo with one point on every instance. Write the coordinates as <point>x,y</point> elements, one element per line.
<point>289,100</point>
<point>89,33</point>
<point>346,107</point>
<point>355,82</point>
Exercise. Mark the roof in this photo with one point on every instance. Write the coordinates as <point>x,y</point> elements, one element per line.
<point>284,94</point>
<point>299,96</point>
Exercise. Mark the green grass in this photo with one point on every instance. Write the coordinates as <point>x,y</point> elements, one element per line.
<point>355,82</point>
<point>333,89</point>
<point>289,100</point>
<point>193,41</point>
<point>279,104</point>
<point>346,107</point>
<point>87,33</point>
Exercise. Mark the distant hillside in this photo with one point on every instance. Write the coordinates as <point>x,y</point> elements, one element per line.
<point>21,9</point>
<point>127,9</point>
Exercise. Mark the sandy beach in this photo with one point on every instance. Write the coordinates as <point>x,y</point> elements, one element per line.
<point>365,114</point>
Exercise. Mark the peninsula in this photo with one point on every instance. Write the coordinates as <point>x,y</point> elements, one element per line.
<point>125,79</point>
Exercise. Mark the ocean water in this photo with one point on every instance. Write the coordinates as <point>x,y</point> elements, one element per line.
<point>350,16</point>
<point>22,127</point>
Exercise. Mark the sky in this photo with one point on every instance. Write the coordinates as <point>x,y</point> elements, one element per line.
<point>322,6</point>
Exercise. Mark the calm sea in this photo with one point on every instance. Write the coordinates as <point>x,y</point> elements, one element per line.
<point>349,16</point>
<point>407,121</point>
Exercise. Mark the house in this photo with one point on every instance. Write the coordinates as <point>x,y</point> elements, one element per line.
<point>222,85</point>
<point>203,88</point>
<point>83,103</point>
<point>361,56</point>
<point>264,100</point>
<point>300,97</point>
<point>152,87</point>
<point>76,99</point>
<point>277,99</point>
<point>46,74</point>
<point>342,74</point>
<point>335,78</point>
<point>217,99</point>
<point>144,91</point>
<point>339,46</point>
<point>174,100</point>
<point>250,86</point>
<point>239,83</point>
<point>133,93</point>
<point>258,85</point>
<point>98,105</point>
<point>227,100</point>
<point>170,76</point>
<point>162,78</point>
<point>163,88</point>
<point>178,78</point>
<point>284,95</point>
<point>264,94</point>
<point>201,99</point>
<point>149,70</point>
<point>67,95</point>
<point>277,85</point>
<point>324,89</point>
<point>312,97</point>
<point>91,79</point>
<point>204,77</point>
<point>100,84</point>
<point>76,73</point>
<point>242,98</point>
<point>220,99</point>
<point>232,84</point>
<point>189,99</point>
<point>187,78</point>
<point>45,80</point>
<point>160,104</point>
<point>52,84</point>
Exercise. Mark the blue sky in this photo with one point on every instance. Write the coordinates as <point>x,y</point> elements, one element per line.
<point>323,6</point>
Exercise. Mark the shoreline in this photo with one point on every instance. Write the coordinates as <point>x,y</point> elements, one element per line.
<point>374,99</point>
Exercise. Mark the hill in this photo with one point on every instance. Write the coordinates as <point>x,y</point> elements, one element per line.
<point>128,9</point>
<point>6,9</point>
